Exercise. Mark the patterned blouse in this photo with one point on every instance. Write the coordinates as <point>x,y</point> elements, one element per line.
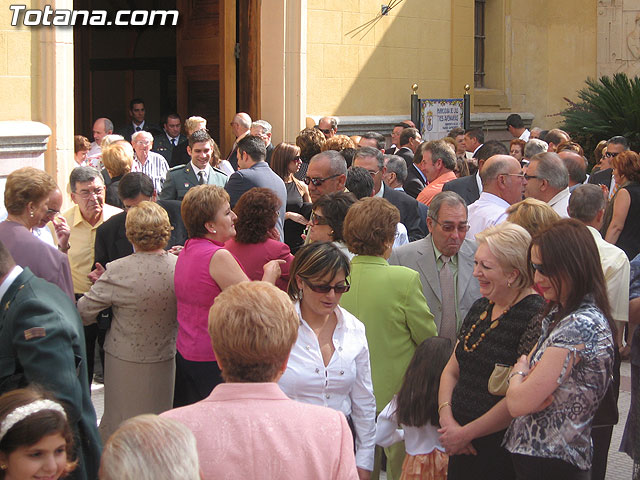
<point>563,429</point>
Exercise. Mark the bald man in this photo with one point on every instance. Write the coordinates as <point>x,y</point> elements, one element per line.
<point>502,185</point>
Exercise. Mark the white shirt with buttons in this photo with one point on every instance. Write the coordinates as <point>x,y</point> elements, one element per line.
<point>344,385</point>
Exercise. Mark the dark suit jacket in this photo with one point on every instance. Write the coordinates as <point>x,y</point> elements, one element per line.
<point>407,154</point>
<point>391,150</point>
<point>602,177</point>
<point>111,239</point>
<point>408,207</point>
<point>259,175</point>
<point>42,341</point>
<point>128,130</point>
<point>414,183</point>
<point>180,156</point>
<point>270,149</point>
<point>163,146</point>
<point>181,178</point>
<point>466,187</point>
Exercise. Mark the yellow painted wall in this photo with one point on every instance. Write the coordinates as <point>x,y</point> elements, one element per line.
<point>17,64</point>
<point>538,54</point>
<point>373,75</point>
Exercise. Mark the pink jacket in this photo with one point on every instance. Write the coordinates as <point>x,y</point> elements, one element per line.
<point>252,430</point>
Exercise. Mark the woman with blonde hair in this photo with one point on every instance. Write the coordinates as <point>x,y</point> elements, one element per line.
<point>118,160</point>
<point>500,326</point>
<point>532,214</point>
<point>286,162</point>
<point>140,344</point>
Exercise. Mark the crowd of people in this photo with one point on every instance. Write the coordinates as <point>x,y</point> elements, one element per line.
<point>328,308</point>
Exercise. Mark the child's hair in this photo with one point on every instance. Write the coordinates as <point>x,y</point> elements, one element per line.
<point>29,414</point>
<point>417,400</point>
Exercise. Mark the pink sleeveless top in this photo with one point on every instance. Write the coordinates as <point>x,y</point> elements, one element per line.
<point>195,293</point>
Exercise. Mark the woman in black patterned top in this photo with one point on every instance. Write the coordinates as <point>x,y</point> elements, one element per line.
<point>500,327</point>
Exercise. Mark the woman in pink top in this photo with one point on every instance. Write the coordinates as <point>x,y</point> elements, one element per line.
<point>257,240</point>
<point>204,269</point>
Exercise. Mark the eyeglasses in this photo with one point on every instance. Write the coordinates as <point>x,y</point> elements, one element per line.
<point>319,181</point>
<point>450,227</point>
<point>87,194</point>
<point>326,131</point>
<point>318,219</point>
<point>51,212</point>
<point>339,289</point>
<point>611,154</point>
<point>521,175</point>
<point>538,267</point>
<point>297,159</point>
<point>143,142</point>
<point>529,177</point>
<point>373,174</point>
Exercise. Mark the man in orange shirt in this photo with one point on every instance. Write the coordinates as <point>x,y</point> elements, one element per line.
<point>437,161</point>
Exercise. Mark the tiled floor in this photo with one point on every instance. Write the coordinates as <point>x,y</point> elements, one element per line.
<point>619,466</point>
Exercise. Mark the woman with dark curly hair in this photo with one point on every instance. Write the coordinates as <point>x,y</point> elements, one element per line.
<point>255,242</point>
<point>141,343</point>
<point>310,141</point>
<point>388,300</point>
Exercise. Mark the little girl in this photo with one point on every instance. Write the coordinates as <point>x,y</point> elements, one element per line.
<point>35,438</point>
<point>415,409</point>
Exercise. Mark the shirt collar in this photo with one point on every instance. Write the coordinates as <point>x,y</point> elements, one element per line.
<point>381,191</point>
<point>11,276</point>
<point>198,170</point>
<point>438,253</point>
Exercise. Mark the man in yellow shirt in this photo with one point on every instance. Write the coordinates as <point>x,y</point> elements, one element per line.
<point>88,213</point>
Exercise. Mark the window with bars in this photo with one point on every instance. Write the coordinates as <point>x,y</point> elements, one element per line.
<point>479,43</point>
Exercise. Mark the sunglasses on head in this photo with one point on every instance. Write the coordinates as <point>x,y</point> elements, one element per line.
<point>339,289</point>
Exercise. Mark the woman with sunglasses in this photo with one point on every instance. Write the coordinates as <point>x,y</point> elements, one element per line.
<point>286,161</point>
<point>329,363</point>
<point>555,391</point>
<point>327,219</point>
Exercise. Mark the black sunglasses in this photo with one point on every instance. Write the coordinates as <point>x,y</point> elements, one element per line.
<point>339,289</point>
<point>538,267</point>
<point>319,181</point>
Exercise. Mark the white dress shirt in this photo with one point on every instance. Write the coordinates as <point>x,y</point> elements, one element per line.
<point>525,135</point>
<point>156,168</point>
<point>616,269</point>
<point>344,384</point>
<point>560,202</point>
<point>417,440</point>
<point>487,211</point>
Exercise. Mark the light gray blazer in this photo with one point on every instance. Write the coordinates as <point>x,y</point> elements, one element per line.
<point>420,256</point>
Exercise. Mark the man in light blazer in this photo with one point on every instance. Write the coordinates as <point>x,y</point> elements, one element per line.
<point>197,172</point>
<point>447,224</point>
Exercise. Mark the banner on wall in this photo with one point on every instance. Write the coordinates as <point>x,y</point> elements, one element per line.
<point>439,116</point>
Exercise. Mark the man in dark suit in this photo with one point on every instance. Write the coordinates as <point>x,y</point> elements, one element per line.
<point>241,126</point>
<point>410,140</point>
<point>253,171</point>
<point>166,141</point>
<point>138,122</point>
<point>42,341</point>
<point>469,187</point>
<point>372,160</point>
<point>395,137</point>
<point>111,239</point>
<point>197,172</point>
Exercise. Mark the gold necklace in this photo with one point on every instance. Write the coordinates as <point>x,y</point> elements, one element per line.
<point>493,325</point>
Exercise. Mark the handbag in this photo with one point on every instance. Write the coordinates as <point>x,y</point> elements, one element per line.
<point>499,379</point>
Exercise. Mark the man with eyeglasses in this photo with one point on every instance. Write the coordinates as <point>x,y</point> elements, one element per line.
<point>547,179</point>
<point>262,129</point>
<point>327,173</point>
<point>372,159</point>
<point>328,126</point>
<point>445,261</point>
<point>615,145</point>
<point>84,218</point>
<point>502,185</point>
<point>150,163</point>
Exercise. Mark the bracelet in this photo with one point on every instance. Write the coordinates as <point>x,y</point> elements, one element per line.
<point>513,374</point>
<point>442,405</point>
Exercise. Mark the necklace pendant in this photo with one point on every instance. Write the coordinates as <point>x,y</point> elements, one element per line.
<point>483,315</point>
<point>494,324</point>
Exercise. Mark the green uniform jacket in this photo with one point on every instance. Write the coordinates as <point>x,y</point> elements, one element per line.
<point>181,178</point>
<point>41,334</point>
<point>389,301</point>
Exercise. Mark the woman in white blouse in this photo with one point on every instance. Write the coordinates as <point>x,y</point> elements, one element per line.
<point>329,363</point>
